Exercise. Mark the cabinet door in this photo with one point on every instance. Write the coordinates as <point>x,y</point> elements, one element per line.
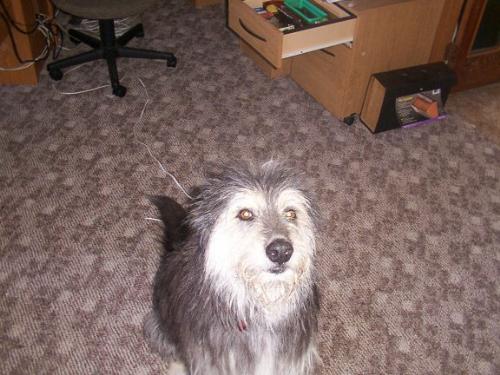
<point>324,75</point>
<point>476,54</point>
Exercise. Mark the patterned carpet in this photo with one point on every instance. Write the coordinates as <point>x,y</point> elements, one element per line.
<point>408,259</point>
<point>481,108</point>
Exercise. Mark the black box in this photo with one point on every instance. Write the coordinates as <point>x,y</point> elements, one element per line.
<point>407,97</point>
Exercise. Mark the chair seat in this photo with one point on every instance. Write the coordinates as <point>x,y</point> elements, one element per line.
<point>104,9</point>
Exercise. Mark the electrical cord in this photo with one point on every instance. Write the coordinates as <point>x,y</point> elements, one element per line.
<point>44,26</point>
<point>56,52</point>
<point>53,31</point>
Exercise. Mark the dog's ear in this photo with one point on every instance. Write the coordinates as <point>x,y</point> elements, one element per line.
<point>173,216</point>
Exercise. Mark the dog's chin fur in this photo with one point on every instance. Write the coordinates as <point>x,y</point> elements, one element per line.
<point>263,295</point>
<point>220,306</point>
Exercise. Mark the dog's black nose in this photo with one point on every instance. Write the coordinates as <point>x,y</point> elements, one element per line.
<point>279,251</point>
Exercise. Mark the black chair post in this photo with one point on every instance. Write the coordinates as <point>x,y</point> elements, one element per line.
<point>110,53</point>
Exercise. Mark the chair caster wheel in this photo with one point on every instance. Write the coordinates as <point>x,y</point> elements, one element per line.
<point>349,120</point>
<point>56,74</point>
<point>119,91</point>
<point>172,62</point>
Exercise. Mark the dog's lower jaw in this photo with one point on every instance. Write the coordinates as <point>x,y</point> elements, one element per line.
<point>276,299</point>
<point>273,298</point>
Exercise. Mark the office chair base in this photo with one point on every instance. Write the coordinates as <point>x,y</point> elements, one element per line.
<point>109,48</point>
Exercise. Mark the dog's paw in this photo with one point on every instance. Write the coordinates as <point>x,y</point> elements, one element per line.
<point>177,368</point>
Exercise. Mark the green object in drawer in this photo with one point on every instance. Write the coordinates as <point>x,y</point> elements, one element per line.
<point>307,11</point>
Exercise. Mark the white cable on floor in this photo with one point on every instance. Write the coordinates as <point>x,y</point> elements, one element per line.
<point>147,147</point>
<point>139,120</point>
<point>82,91</point>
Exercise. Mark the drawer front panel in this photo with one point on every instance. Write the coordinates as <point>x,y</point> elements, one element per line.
<point>256,31</point>
<point>325,75</point>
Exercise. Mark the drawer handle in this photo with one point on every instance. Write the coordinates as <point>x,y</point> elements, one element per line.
<point>328,52</point>
<point>245,27</point>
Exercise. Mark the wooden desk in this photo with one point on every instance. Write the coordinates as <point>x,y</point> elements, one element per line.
<point>29,46</point>
<point>389,34</point>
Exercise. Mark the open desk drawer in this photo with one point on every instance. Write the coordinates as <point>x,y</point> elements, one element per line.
<point>274,45</point>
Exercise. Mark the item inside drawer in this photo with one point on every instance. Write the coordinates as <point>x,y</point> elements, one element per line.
<point>294,15</point>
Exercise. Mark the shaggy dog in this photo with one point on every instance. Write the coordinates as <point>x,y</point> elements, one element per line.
<point>235,292</point>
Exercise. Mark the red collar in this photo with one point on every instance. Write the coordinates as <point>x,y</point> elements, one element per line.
<point>242,325</point>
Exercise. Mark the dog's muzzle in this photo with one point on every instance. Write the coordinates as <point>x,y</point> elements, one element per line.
<point>279,251</point>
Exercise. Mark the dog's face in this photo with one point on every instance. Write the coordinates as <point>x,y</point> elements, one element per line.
<point>261,245</point>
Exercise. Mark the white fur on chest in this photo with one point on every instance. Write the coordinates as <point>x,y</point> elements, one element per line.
<point>265,359</point>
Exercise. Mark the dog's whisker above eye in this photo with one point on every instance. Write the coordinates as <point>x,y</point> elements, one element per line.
<point>238,261</point>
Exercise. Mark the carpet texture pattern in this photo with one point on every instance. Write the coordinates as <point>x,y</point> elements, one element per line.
<point>481,108</point>
<point>409,242</point>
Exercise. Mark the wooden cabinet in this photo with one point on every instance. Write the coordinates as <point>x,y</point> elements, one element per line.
<point>387,35</point>
<point>475,54</point>
<point>29,46</point>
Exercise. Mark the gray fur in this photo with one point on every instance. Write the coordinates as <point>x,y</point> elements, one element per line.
<point>192,319</point>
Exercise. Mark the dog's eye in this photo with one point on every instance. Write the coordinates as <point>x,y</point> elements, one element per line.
<point>245,215</point>
<point>290,215</point>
